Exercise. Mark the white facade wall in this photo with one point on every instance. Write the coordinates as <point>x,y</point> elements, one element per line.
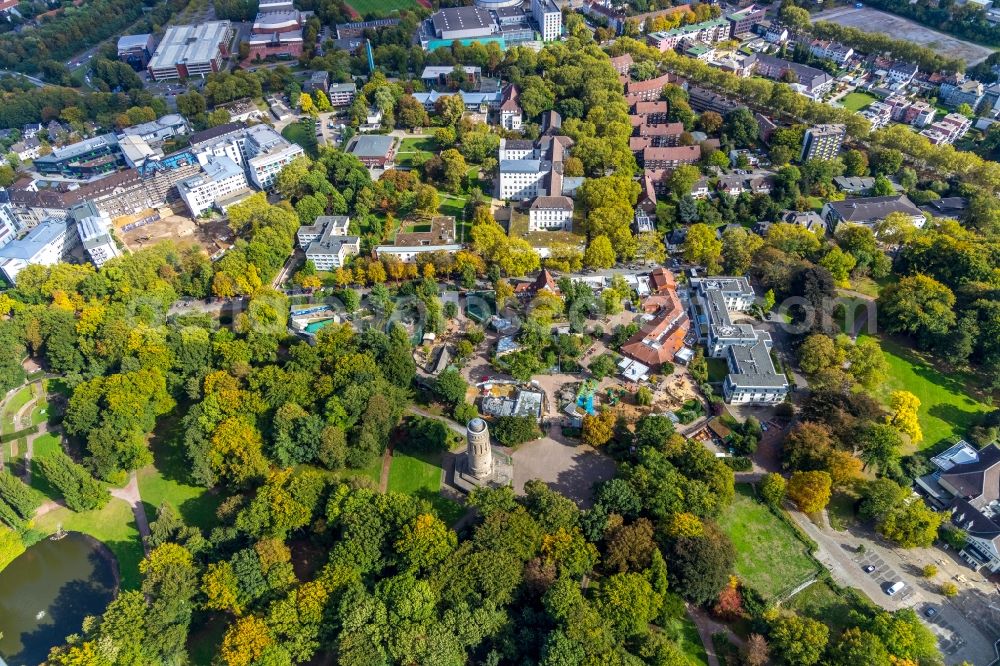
<point>547,219</point>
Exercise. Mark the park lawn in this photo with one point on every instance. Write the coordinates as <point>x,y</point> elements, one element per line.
<point>946,409</point>
<point>455,206</point>
<point>769,555</point>
<point>381,7</point>
<point>856,101</point>
<point>304,134</point>
<point>196,505</point>
<point>114,525</point>
<point>40,412</point>
<point>821,602</point>
<point>415,149</point>
<point>17,401</point>
<point>419,474</point>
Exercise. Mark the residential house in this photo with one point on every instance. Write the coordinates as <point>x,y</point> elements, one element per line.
<point>829,50</point>
<point>870,211</point>
<point>966,483</point>
<point>902,73</point>
<point>812,81</point>
<point>669,157</point>
<point>27,149</point>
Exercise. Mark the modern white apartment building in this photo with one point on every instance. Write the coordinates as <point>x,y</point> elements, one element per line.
<point>8,220</point>
<point>333,247</point>
<point>752,377</point>
<point>46,244</point>
<point>221,178</point>
<point>548,17</point>
<point>336,224</point>
<point>259,150</point>
<point>95,230</point>
<point>267,153</point>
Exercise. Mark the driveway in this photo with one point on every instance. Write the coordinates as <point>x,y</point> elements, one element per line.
<point>959,637</point>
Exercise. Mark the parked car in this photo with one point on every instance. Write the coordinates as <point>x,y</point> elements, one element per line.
<point>895,588</point>
<point>869,568</point>
<point>930,611</point>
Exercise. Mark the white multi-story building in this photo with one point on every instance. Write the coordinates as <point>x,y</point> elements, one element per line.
<point>521,179</point>
<point>550,214</point>
<point>46,244</point>
<point>548,17</point>
<point>259,150</point>
<point>342,94</point>
<point>221,179</point>
<point>267,154</point>
<point>8,220</point>
<point>336,224</point>
<point>332,247</point>
<point>95,230</point>
<point>752,377</point>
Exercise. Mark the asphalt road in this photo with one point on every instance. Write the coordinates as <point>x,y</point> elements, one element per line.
<point>959,639</point>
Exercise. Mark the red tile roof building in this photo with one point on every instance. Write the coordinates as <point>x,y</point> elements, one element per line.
<point>663,336</point>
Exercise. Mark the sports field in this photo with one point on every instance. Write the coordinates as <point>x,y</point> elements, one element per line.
<point>856,101</point>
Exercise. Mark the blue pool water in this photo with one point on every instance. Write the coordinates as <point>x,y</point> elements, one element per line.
<point>586,402</point>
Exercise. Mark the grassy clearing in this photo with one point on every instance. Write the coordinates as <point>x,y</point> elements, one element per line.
<point>769,555</point>
<point>17,401</point>
<point>419,474</point>
<point>841,510</point>
<point>381,7</point>
<point>415,150</point>
<point>168,480</point>
<point>856,101</point>
<point>114,525</point>
<point>820,602</point>
<point>946,410</point>
<point>304,134</point>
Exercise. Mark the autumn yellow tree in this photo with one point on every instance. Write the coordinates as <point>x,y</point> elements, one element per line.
<point>219,585</point>
<point>598,428</point>
<point>903,407</point>
<point>684,525</point>
<point>245,641</point>
<point>810,490</point>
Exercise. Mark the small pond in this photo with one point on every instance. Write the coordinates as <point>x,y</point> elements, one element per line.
<point>47,591</point>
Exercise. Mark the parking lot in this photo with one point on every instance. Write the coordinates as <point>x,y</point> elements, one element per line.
<point>938,618</point>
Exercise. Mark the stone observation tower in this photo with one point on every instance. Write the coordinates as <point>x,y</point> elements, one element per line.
<point>483,465</point>
<point>478,450</point>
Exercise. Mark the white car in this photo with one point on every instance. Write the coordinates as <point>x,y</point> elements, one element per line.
<point>895,588</point>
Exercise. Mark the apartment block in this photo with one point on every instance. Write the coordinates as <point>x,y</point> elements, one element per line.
<point>822,142</point>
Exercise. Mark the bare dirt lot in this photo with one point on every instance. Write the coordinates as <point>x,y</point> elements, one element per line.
<point>209,233</point>
<point>872,20</point>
